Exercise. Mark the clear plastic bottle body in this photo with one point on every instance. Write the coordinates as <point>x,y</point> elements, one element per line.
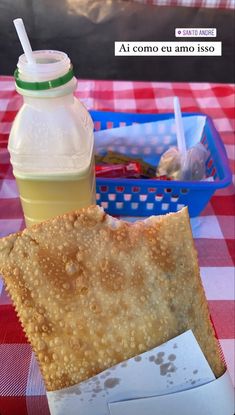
<point>51,148</point>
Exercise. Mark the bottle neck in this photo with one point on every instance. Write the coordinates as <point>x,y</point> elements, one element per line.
<point>47,102</point>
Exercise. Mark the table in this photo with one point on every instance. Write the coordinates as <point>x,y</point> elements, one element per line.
<point>217,4</point>
<point>21,387</point>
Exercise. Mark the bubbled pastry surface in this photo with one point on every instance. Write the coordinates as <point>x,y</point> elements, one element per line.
<point>91,292</point>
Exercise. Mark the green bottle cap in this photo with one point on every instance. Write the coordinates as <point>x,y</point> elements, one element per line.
<point>40,86</point>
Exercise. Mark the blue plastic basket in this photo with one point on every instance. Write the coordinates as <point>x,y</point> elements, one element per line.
<point>144,197</point>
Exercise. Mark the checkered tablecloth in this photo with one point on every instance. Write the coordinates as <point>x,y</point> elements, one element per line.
<point>21,387</point>
<point>217,4</point>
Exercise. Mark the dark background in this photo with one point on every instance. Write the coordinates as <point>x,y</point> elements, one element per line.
<point>86,31</point>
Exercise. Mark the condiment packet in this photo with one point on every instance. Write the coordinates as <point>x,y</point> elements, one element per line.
<point>131,169</point>
<point>111,158</point>
<point>174,367</point>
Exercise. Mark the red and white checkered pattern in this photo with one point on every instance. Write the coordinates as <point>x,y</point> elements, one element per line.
<point>217,4</point>
<point>21,386</point>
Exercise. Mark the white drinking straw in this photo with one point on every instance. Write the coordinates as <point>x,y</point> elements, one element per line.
<point>24,40</point>
<point>179,128</point>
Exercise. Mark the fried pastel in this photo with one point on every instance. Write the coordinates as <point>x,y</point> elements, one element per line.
<point>91,291</point>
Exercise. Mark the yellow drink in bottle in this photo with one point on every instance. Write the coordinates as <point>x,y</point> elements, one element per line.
<point>47,198</point>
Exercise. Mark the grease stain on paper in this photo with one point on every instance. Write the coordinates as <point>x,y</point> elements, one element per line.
<point>166,368</point>
<point>110,383</point>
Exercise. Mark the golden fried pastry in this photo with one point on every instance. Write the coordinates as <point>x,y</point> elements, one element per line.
<point>91,291</point>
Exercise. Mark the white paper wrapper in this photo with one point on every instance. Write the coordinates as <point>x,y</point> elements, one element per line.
<point>176,368</point>
<point>214,398</point>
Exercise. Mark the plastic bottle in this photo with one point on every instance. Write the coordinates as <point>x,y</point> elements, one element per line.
<point>51,140</point>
